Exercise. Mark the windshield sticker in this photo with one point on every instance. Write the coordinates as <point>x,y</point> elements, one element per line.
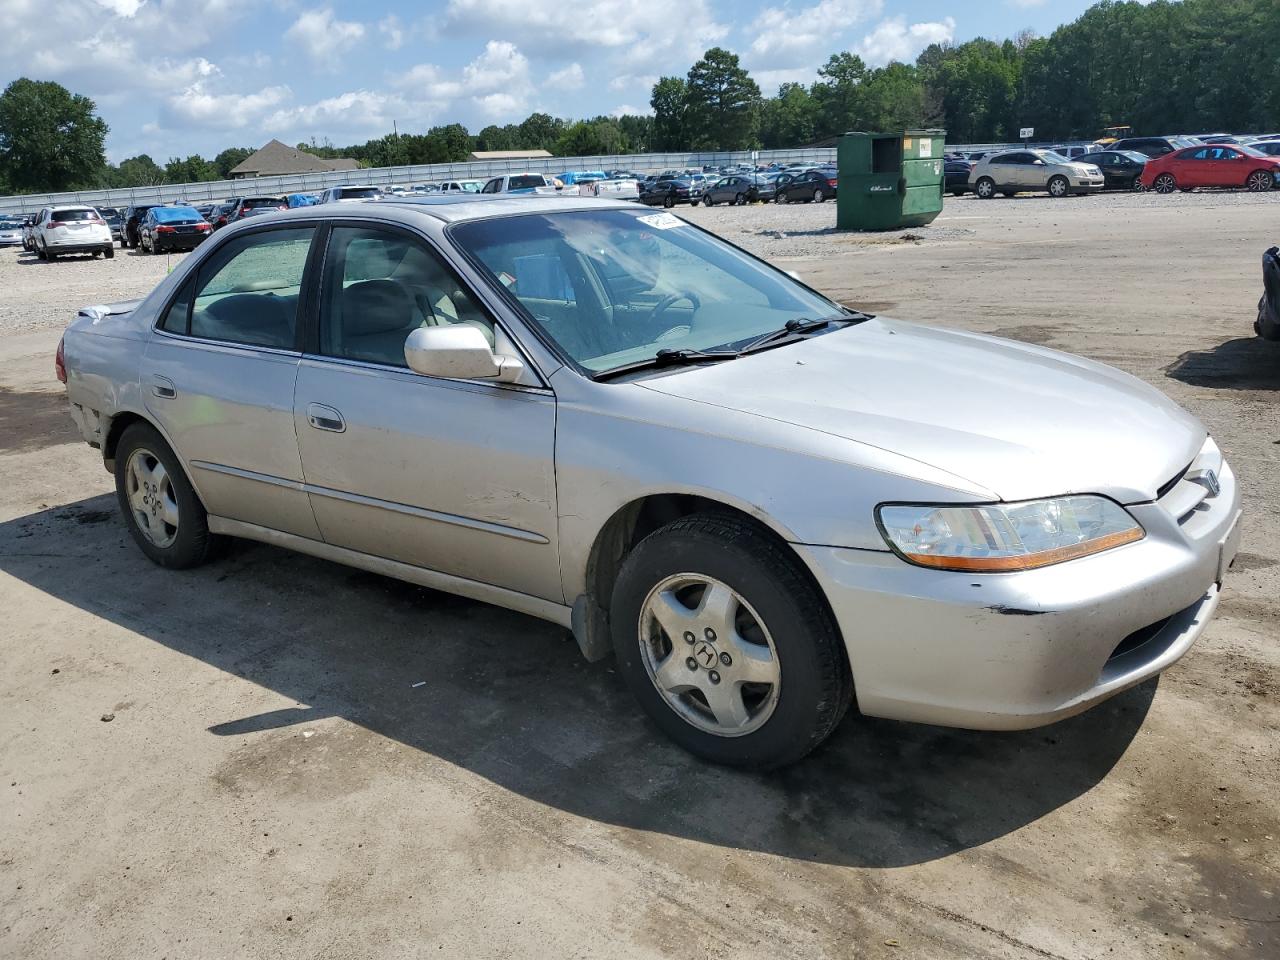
<point>662,221</point>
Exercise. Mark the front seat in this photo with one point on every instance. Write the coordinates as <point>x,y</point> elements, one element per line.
<point>377,318</point>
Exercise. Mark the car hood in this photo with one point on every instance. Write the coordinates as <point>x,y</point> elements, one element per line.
<point>1017,420</point>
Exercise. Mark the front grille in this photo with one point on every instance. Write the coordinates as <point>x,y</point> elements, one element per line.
<point>1187,495</point>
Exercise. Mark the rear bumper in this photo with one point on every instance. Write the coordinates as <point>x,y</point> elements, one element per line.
<point>92,246</point>
<point>1019,650</point>
<point>162,244</point>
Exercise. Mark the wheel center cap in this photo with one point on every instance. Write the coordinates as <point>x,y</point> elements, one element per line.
<point>706,654</point>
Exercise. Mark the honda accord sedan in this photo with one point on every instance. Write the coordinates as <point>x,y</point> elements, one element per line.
<point>765,506</point>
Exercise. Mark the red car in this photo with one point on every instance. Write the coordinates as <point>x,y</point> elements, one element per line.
<point>1211,165</point>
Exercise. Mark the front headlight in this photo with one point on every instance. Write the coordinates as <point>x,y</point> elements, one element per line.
<point>1002,537</point>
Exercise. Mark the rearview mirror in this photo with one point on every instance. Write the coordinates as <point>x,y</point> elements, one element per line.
<point>458,351</point>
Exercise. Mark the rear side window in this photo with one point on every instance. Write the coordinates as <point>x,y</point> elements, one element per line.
<point>248,291</point>
<point>358,193</point>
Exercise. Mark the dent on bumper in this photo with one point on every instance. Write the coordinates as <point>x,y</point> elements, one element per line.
<point>1013,651</point>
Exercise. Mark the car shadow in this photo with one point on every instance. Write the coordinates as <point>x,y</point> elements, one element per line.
<point>1246,363</point>
<point>509,698</point>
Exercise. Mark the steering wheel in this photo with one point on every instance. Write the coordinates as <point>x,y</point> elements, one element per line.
<point>665,304</point>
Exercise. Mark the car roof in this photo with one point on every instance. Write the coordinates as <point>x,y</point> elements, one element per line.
<point>71,206</point>
<point>457,207</point>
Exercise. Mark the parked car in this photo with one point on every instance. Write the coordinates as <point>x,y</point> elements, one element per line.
<point>1071,153</point>
<point>810,186</point>
<point>353,194</point>
<point>1121,170</point>
<point>255,206</point>
<point>220,215</point>
<point>461,186</point>
<point>132,220</point>
<point>10,231</point>
<point>1020,171</point>
<point>301,200</point>
<point>166,229</point>
<point>666,193</point>
<point>1212,166</point>
<point>1270,147</point>
<point>204,209</point>
<point>115,220</point>
<point>956,176</point>
<point>71,229</point>
<point>448,409</point>
<point>596,183</point>
<point>527,183</point>
<point>1152,146</point>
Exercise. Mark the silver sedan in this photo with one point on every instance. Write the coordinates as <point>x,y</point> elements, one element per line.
<point>765,506</point>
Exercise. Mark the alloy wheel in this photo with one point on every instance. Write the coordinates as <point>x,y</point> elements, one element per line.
<point>1165,183</point>
<point>152,498</point>
<point>1260,181</point>
<point>709,655</point>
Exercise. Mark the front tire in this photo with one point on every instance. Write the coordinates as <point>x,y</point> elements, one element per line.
<point>668,201</point>
<point>727,643</point>
<point>109,252</point>
<point>781,197</point>
<point>1059,187</point>
<point>1260,181</point>
<point>985,188</point>
<point>165,517</point>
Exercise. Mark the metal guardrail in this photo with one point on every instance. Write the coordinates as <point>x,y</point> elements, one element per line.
<point>478,170</point>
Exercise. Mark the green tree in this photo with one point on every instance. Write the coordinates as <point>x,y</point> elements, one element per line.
<point>722,103</point>
<point>50,138</point>
<point>230,158</point>
<point>539,131</point>
<point>494,137</point>
<point>587,138</point>
<point>789,119</point>
<point>668,100</point>
<point>139,171</point>
<point>637,131</point>
<point>193,169</point>
<point>837,95</point>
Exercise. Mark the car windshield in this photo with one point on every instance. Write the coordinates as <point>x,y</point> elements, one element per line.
<point>175,215</point>
<point>1134,155</point>
<point>255,203</point>
<point>613,287</point>
<point>63,216</point>
<point>471,186</point>
<point>359,193</point>
<point>526,182</point>
<point>7,223</point>
<point>1050,156</point>
<point>1248,150</point>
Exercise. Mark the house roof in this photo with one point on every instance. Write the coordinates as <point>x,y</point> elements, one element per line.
<point>510,154</point>
<point>280,158</point>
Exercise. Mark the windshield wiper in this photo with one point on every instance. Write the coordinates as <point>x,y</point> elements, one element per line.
<point>668,358</point>
<point>798,327</point>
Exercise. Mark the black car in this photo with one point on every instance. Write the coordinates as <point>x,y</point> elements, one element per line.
<point>1120,168</point>
<point>129,236</point>
<point>115,220</point>
<point>956,174</point>
<point>1151,146</point>
<point>252,206</point>
<point>165,229</point>
<point>811,186</point>
<point>666,193</point>
<point>220,215</point>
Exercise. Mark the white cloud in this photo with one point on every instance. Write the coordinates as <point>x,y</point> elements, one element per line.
<point>322,35</point>
<point>501,65</point>
<point>497,106</point>
<point>625,109</point>
<point>788,37</point>
<point>358,113</point>
<point>893,39</point>
<point>391,29</point>
<point>197,106</point>
<point>122,8</point>
<point>570,78</point>
<point>427,81</point>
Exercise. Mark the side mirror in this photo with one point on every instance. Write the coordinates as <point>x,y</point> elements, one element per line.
<point>458,352</point>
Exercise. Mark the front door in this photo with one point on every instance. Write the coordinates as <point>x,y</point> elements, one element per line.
<point>219,378</point>
<point>454,476</point>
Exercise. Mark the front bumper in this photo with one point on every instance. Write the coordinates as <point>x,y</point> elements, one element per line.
<point>1088,185</point>
<point>1019,650</point>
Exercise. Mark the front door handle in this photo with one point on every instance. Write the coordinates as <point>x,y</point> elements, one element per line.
<point>325,418</point>
<point>163,387</point>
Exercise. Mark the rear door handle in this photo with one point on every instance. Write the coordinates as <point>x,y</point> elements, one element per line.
<point>163,387</point>
<point>325,418</point>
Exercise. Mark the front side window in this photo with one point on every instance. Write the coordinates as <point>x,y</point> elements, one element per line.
<point>378,287</point>
<point>248,291</point>
<point>612,287</point>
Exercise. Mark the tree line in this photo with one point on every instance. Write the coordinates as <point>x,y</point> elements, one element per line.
<point>1162,67</point>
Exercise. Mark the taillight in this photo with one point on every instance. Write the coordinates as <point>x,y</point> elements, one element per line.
<point>164,230</point>
<point>831,183</point>
<point>53,225</point>
<point>60,363</point>
<point>203,226</point>
<point>282,207</point>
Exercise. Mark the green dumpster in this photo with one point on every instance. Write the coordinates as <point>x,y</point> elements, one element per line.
<point>888,181</point>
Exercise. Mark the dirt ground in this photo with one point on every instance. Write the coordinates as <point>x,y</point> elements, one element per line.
<point>239,761</point>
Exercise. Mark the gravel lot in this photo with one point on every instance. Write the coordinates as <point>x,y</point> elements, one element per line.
<point>271,780</point>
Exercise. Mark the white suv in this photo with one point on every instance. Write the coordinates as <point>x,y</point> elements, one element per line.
<point>357,194</point>
<point>61,230</point>
<point>527,183</point>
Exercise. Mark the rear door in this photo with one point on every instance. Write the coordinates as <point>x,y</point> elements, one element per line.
<point>218,377</point>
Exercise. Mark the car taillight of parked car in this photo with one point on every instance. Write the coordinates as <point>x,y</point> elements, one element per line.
<point>203,226</point>
<point>163,229</point>
<point>60,363</point>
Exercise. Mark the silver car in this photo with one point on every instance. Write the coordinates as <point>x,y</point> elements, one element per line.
<point>1021,171</point>
<point>766,506</point>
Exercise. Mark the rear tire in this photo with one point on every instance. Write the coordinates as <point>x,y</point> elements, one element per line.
<point>1165,183</point>
<point>781,197</point>
<point>767,621</point>
<point>739,200</point>
<point>819,196</point>
<point>152,491</point>
<point>985,188</point>
<point>109,252</point>
<point>668,201</point>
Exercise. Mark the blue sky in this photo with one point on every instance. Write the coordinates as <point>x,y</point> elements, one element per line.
<point>174,77</point>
